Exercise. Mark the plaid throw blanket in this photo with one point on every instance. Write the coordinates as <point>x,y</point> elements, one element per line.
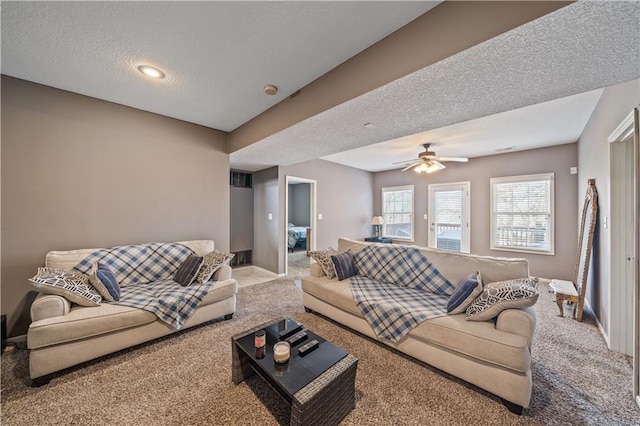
<point>170,302</point>
<point>393,311</point>
<point>397,288</point>
<point>140,263</point>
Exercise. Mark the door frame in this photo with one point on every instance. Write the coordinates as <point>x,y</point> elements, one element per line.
<point>629,126</point>
<point>312,212</point>
<point>466,213</point>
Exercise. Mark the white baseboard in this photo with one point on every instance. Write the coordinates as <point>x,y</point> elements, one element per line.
<point>602,331</point>
<point>19,341</point>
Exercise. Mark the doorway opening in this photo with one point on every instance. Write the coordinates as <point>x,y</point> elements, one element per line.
<point>300,228</point>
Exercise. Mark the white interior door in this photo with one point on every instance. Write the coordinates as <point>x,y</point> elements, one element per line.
<point>449,222</point>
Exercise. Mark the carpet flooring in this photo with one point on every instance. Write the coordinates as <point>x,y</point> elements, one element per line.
<point>185,379</point>
<point>298,264</point>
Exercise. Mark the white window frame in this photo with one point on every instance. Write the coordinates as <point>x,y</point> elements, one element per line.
<point>384,213</point>
<point>525,178</point>
<point>465,220</point>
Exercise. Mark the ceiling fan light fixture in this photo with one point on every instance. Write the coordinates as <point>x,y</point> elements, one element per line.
<point>429,167</point>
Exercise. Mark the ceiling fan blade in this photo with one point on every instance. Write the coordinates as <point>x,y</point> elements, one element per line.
<point>457,159</point>
<point>412,165</point>
<point>405,161</point>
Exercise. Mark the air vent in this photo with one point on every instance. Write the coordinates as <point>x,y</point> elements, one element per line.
<point>294,94</point>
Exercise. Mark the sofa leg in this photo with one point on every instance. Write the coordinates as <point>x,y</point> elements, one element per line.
<point>228,316</point>
<point>307,309</point>
<point>514,408</point>
<point>41,381</point>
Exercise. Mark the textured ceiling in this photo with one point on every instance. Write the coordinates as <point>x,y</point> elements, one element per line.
<point>579,48</point>
<point>217,55</point>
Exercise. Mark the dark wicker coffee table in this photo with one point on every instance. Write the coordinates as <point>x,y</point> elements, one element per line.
<point>319,386</point>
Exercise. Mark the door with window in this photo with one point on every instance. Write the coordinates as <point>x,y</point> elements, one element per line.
<point>449,219</point>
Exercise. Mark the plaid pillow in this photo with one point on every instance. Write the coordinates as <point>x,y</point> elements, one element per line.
<point>323,257</point>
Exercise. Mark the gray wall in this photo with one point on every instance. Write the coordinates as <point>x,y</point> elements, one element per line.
<point>478,171</point>
<point>299,204</point>
<point>78,172</point>
<point>241,205</point>
<point>593,160</point>
<point>343,198</point>
<point>266,232</point>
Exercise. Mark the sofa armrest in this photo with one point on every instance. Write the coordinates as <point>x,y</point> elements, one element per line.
<point>49,306</point>
<point>518,321</point>
<point>316,271</point>
<point>224,273</point>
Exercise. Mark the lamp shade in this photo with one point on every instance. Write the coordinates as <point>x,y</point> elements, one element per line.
<point>377,220</point>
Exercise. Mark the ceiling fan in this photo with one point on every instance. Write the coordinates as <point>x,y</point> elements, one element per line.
<point>429,162</point>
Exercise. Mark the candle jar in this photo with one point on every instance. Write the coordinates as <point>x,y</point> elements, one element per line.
<point>260,342</point>
<point>281,352</point>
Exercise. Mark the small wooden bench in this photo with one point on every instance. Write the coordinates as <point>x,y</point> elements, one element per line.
<point>566,291</point>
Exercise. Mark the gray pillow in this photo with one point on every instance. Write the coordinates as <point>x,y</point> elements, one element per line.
<point>496,297</point>
<point>211,262</point>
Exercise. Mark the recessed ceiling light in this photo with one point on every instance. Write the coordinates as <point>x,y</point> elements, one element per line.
<point>150,71</point>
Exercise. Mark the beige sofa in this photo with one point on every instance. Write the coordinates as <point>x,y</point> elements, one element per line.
<point>493,355</point>
<point>63,334</point>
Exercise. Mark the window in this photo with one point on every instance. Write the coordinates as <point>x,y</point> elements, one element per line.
<point>397,211</point>
<point>522,213</point>
<point>449,207</point>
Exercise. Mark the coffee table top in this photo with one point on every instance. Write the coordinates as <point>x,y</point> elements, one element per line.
<point>299,371</point>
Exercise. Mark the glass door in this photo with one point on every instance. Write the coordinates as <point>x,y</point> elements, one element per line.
<point>449,223</point>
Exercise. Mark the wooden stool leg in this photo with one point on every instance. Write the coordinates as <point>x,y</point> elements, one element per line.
<point>560,302</point>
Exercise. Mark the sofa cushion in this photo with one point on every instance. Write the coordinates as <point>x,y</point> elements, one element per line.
<point>465,293</point>
<point>85,322</point>
<point>479,340</point>
<point>344,265</point>
<point>211,262</point>
<point>105,283</point>
<point>220,291</point>
<point>70,284</point>
<point>187,272</point>
<point>501,295</point>
<point>323,257</point>
<point>336,293</point>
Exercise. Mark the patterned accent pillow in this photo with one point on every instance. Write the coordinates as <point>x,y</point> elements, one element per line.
<point>465,293</point>
<point>344,265</point>
<point>496,297</point>
<point>103,280</point>
<point>323,257</point>
<point>186,273</point>
<point>71,285</point>
<point>211,263</point>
